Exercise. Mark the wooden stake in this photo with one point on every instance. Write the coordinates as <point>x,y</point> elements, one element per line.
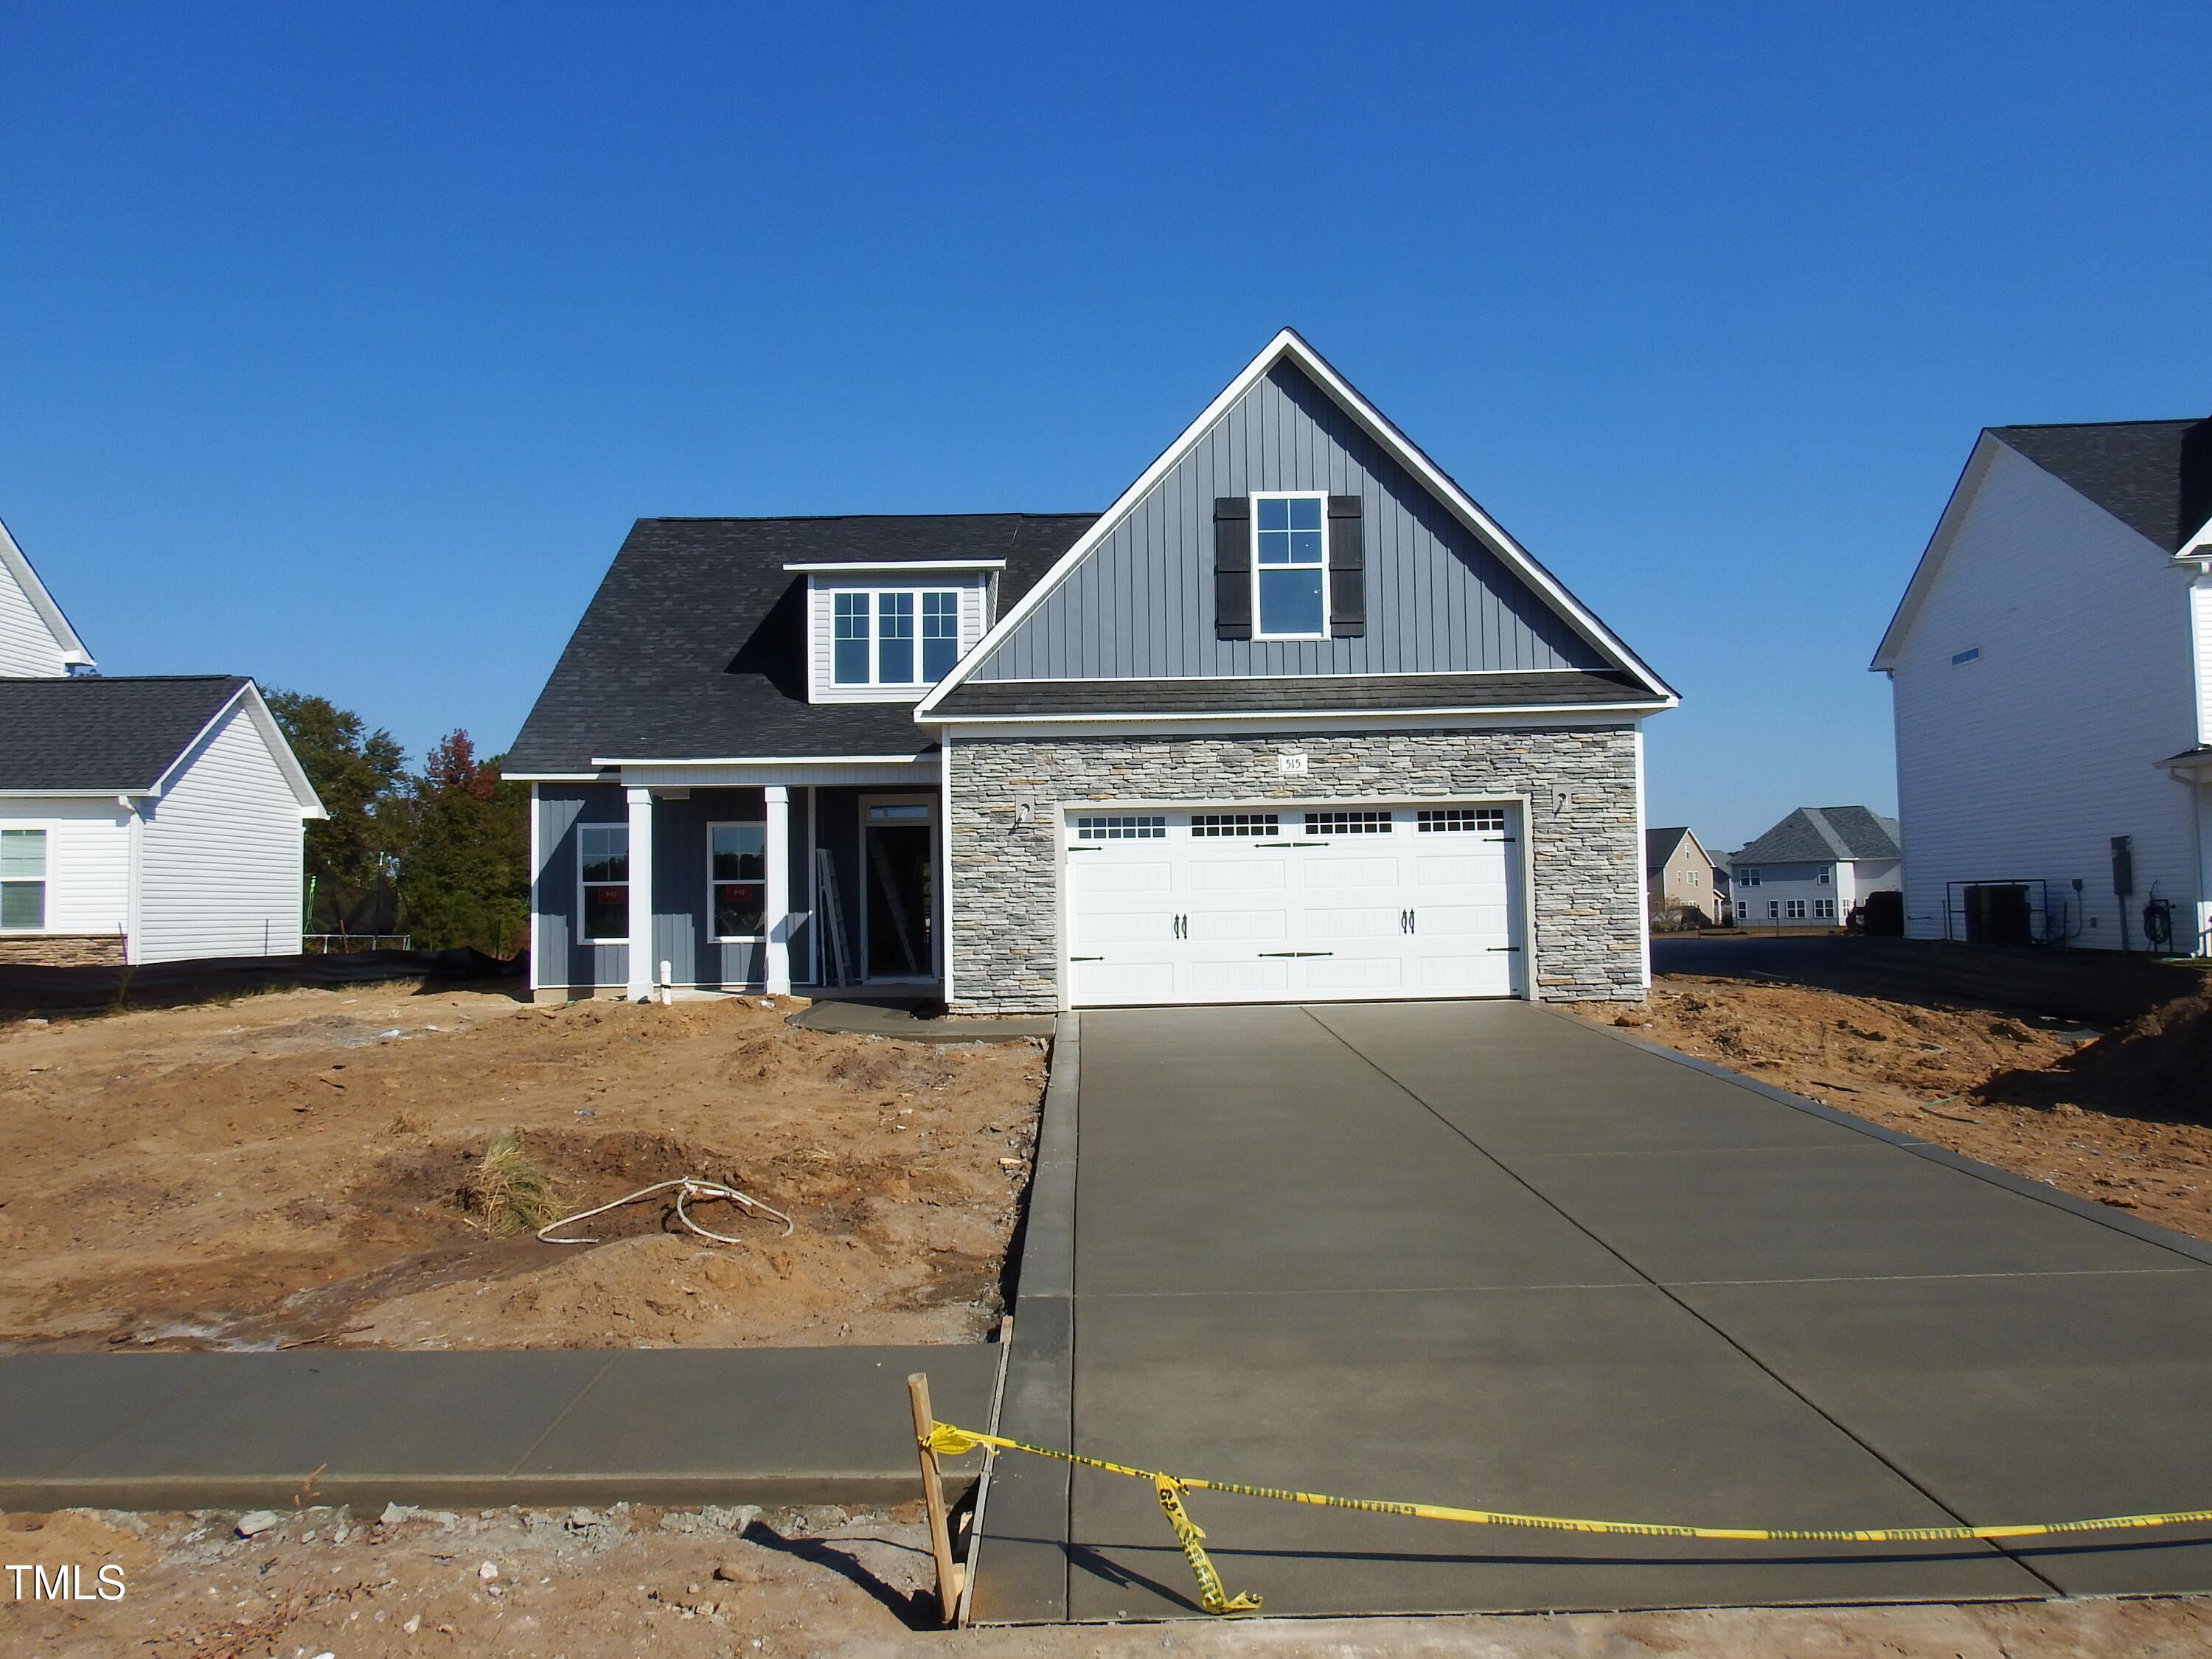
<point>932,1498</point>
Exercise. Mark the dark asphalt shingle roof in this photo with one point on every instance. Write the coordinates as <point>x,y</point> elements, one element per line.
<point>1659,845</point>
<point>1821,834</point>
<point>1314,694</point>
<point>694,646</point>
<point>98,732</point>
<point>2155,477</point>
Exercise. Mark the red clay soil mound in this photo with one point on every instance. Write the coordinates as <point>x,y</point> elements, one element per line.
<point>2159,1066</point>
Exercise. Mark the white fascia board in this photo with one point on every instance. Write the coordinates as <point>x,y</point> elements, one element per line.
<point>7,795</point>
<point>1980,460</point>
<point>18,566</point>
<point>1294,725</point>
<point>272,737</point>
<point>771,760</point>
<point>1382,674</point>
<point>887,566</point>
<point>1288,345</point>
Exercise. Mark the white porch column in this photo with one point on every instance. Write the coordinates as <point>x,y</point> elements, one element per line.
<point>777,899</point>
<point>639,986</point>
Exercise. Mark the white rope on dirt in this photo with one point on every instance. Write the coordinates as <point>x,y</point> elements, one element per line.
<point>687,1188</point>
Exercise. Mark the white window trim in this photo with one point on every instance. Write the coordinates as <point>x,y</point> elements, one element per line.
<point>45,879</point>
<point>971,599</point>
<point>623,825</point>
<point>760,824</point>
<point>1259,496</point>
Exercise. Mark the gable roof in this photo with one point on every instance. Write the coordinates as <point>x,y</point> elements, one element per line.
<point>2155,476</point>
<point>694,646</point>
<point>1820,835</point>
<point>14,564</point>
<point>1288,347</point>
<point>1659,846</point>
<point>90,733</point>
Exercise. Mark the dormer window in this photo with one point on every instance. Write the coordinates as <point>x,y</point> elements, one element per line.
<point>886,631</point>
<point>901,637</point>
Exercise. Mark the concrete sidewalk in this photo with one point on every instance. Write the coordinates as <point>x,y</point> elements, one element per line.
<point>1483,1254</point>
<point>553,1427</point>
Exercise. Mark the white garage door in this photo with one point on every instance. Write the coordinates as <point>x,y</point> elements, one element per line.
<point>1309,903</point>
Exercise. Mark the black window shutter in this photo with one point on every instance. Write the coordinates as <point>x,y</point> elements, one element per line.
<point>1232,568</point>
<point>1348,570</point>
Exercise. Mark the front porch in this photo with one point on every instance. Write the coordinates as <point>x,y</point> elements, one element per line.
<point>741,888</point>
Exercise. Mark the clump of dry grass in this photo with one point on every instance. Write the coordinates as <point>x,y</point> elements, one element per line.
<point>510,1190</point>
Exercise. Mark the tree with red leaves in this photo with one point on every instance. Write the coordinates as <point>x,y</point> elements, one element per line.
<point>465,876</point>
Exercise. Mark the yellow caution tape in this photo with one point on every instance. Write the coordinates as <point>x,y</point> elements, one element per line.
<point>945,1439</point>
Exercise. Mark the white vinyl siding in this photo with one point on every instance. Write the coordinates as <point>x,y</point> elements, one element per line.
<point>972,587</point>
<point>221,855</point>
<point>28,649</point>
<point>88,859</point>
<point>2022,764</point>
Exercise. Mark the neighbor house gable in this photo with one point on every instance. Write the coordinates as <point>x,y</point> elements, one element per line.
<point>1437,589</point>
<point>36,640</point>
<point>2153,476</point>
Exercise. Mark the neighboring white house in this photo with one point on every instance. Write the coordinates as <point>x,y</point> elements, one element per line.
<point>1815,867</point>
<point>143,818</point>
<point>2051,667</point>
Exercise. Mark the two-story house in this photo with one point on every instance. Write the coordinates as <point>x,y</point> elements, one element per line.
<point>1293,719</point>
<point>1815,867</point>
<point>142,818</point>
<point>2050,664</point>
<point>1680,879</point>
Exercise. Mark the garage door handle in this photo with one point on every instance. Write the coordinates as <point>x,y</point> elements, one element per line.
<point>1297,953</point>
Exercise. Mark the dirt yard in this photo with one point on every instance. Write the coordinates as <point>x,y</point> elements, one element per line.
<point>617,1582</point>
<point>2124,1117</point>
<point>297,1167</point>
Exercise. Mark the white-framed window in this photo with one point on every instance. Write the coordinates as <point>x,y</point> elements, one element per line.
<point>737,879</point>
<point>603,883</point>
<point>1824,909</point>
<point>23,880</point>
<point>1289,566</point>
<point>1795,910</point>
<point>1826,874</point>
<point>1747,878</point>
<point>893,635</point>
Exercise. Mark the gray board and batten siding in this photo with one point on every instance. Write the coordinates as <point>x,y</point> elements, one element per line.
<point>1140,606</point>
<point>681,920</point>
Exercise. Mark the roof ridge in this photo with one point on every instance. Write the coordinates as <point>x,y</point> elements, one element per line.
<point>839,518</point>
<point>2079,426</point>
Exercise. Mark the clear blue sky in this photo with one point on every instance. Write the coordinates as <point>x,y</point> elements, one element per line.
<point>342,343</point>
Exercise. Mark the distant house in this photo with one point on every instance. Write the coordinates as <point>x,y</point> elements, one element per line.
<point>2051,668</point>
<point>143,818</point>
<point>1679,877</point>
<point>1815,867</point>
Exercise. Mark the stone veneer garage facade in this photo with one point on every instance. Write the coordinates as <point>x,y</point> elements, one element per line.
<point>1005,797</point>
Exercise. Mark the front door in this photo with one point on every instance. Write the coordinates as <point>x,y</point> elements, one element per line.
<point>898,846</point>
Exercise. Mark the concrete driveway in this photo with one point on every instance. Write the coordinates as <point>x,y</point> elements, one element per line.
<point>1482,1254</point>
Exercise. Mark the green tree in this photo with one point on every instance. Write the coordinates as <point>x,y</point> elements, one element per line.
<point>465,874</point>
<point>361,776</point>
